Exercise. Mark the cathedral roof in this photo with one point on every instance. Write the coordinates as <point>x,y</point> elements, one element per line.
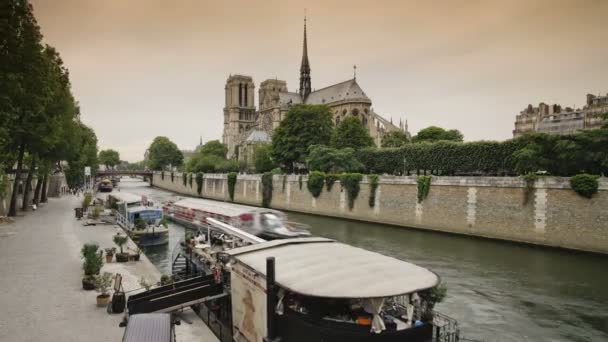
<point>347,90</point>
<point>258,136</point>
<point>287,98</point>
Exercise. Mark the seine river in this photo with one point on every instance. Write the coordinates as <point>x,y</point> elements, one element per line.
<point>497,291</point>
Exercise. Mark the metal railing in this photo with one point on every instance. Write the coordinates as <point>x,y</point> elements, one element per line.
<point>446,328</point>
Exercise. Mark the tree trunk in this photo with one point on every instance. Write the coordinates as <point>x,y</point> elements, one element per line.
<point>28,183</point>
<point>43,198</point>
<point>13,207</point>
<point>37,191</point>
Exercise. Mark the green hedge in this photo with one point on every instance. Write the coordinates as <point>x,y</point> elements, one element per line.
<point>315,183</point>
<point>444,157</point>
<point>584,185</point>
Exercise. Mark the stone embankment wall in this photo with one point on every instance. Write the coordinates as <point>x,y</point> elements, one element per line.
<point>492,207</point>
<point>56,187</point>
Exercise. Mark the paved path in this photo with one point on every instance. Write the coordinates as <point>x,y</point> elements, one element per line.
<point>41,296</point>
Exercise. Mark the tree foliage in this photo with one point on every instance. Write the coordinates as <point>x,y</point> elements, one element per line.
<point>332,160</point>
<point>163,153</point>
<point>211,158</point>
<point>263,159</point>
<point>434,133</point>
<point>110,158</point>
<point>267,189</point>
<point>231,184</point>
<point>394,139</point>
<point>302,127</point>
<point>374,181</point>
<point>350,133</point>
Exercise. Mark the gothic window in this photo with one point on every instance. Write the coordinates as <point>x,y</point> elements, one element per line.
<point>344,112</point>
<point>364,121</point>
<point>355,112</point>
<point>366,111</point>
<point>240,94</point>
<point>337,121</point>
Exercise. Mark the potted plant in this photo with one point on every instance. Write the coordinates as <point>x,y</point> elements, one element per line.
<point>91,265</point>
<point>145,284</point>
<point>109,254</point>
<point>102,285</point>
<point>120,241</point>
<point>166,280</point>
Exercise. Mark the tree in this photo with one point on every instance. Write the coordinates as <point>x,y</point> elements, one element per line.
<point>109,158</point>
<point>434,133</point>
<point>211,157</point>
<point>263,158</point>
<point>331,160</point>
<point>302,127</point>
<point>394,139</point>
<point>84,154</point>
<point>162,153</point>
<point>215,148</point>
<point>351,133</point>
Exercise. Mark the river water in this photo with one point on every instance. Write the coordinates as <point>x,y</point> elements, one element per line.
<point>498,291</point>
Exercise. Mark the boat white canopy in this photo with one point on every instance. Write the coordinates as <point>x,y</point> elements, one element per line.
<point>322,267</point>
<point>126,197</point>
<point>221,208</point>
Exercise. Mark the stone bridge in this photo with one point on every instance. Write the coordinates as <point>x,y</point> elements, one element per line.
<point>143,173</point>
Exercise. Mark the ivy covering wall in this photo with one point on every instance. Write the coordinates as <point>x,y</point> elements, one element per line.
<point>424,185</point>
<point>373,187</point>
<point>266,189</point>
<point>316,180</point>
<point>231,184</point>
<point>350,182</point>
<point>199,183</point>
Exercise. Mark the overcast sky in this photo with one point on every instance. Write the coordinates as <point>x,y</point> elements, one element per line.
<point>143,68</point>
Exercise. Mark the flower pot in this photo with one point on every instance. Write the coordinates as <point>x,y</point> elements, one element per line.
<point>88,283</point>
<point>118,302</point>
<point>109,258</point>
<point>122,257</point>
<point>103,300</point>
<point>136,257</point>
<point>131,257</point>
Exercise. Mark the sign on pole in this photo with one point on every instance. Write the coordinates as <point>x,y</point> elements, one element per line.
<point>87,170</point>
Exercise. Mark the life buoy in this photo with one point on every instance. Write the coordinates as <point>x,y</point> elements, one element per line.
<point>217,274</point>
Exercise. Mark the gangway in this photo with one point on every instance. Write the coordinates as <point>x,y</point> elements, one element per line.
<point>176,296</point>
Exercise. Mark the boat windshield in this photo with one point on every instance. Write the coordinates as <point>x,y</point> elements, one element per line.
<point>271,221</point>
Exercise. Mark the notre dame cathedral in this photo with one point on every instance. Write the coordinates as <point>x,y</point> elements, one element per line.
<point>245,127</point>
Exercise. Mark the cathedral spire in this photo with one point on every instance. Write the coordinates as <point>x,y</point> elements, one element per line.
<point>305,86</point>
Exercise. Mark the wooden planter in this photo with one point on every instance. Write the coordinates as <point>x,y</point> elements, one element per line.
<point>122,257</point>
<point>109,258</point>
<point>103,300</point>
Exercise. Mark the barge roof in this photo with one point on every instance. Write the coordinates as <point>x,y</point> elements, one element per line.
<point>126,197</point>
<point>222,208</point>
<point>321,267</point>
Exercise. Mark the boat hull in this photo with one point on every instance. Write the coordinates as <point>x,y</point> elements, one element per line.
<point>147,239</point>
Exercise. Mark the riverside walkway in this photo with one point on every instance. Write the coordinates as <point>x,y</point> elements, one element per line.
<point>41,294</point>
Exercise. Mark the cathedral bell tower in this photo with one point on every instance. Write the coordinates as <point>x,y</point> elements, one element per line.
<point>239,112</point>
<point>305,86</point>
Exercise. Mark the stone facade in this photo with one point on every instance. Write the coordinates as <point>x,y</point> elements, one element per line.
<point>553,119</point>
<point>344,99</point>
<point>490,207</point>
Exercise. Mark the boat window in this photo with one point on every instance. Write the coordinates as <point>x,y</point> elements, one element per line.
<point>271,221</point>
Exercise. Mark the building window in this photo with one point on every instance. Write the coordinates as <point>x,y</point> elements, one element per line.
<point>344,112</point>
<point>355,112</point>
<point>337,121</point>
<point>364,121</point>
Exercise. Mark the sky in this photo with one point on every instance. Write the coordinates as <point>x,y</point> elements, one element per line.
<point>147,68</point>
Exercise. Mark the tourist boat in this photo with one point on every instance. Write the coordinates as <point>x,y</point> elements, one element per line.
<point>105,185</point>
<point>139,218</point>
<point>320,289</point>
<point>263,222</point>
